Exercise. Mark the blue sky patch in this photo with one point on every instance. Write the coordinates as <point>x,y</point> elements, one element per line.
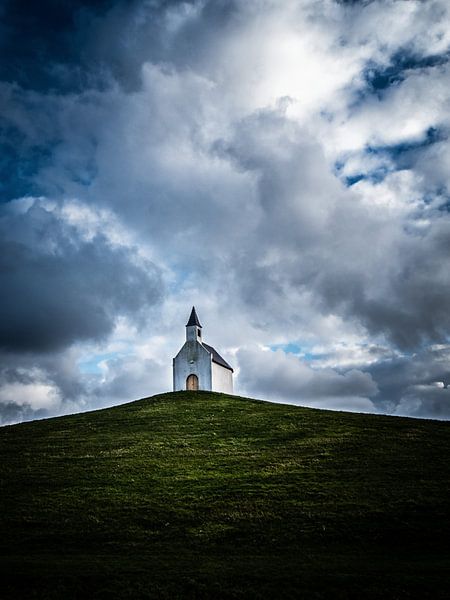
<point>290,348</point>
<point>380,77</point>
<point>91,365</point>
<point>300,350</point>
<point>433,135</point>
<point>396,156</point>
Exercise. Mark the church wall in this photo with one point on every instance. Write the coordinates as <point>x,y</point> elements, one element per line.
<point>222,379</point>
<point>192,358</point>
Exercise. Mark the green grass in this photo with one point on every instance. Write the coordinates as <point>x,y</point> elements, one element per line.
<point>203,495</point>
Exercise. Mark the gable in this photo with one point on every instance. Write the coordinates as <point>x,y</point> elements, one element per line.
<point>190,347</point>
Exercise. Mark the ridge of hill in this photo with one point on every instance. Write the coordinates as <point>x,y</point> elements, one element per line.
<point>204,495</point>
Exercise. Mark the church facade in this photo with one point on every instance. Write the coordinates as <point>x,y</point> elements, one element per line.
<point>198,366</point>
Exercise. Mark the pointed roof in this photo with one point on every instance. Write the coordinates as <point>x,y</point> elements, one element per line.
<point>193,319</point>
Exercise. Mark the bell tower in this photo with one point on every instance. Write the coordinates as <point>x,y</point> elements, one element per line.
<point>193,328</point>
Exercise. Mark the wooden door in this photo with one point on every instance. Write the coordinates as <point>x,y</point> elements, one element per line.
<point>192,382</point>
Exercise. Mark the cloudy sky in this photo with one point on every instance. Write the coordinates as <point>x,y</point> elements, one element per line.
<point>284,166</point>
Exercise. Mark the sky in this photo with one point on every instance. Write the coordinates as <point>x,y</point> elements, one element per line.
<point>283,166</point>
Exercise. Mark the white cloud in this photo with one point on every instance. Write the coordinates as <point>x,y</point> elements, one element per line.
<point>35,395</point>
<point>282,377</point>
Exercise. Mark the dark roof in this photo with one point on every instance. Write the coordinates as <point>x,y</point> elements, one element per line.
<point>217,358</point>
<point>193,319</point>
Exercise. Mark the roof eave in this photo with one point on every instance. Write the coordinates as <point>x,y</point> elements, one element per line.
<point>223,366</point>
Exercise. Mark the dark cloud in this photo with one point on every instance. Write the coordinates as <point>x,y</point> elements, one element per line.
<point>15,413</point>
<point>427,401</point>
<point>72,45</point>
<point>39,42</point>
<point>62,288</point>
<point>397,374</point>
<point>407,300</point>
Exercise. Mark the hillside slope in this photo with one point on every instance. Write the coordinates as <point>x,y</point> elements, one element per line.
<point>202,495</point>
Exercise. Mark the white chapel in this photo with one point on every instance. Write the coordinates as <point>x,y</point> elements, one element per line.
<point>198,366</point>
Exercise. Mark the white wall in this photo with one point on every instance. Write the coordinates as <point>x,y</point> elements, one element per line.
<point>192,358</point>
<point>222,379</point>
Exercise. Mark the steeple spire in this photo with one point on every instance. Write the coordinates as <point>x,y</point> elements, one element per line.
<point>193,319</point>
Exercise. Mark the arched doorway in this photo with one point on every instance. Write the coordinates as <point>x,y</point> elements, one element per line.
<point>192,383</point>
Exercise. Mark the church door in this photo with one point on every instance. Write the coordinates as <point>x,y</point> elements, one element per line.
<point>192,383</point>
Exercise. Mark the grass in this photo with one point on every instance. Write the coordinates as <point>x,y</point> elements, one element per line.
<point>204,495</point>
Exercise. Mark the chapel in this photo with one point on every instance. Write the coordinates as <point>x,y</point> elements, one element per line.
<point>198,366</point>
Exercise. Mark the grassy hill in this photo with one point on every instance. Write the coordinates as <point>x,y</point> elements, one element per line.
<point>202,495</point>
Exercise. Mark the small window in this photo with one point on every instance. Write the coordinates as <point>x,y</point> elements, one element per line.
<point>199,333</point>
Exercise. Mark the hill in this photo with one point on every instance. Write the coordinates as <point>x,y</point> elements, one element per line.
<point>203,495</point>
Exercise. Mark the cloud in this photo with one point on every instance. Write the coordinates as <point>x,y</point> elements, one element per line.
<point>26,393</point>
<point>429,401</point>
<point>132,377</point>
<point>35,395</point>
<point>63,288</point>
<point>317,238</point>
<point>278,376</point>
<point>397,375</point>
<point>284,166</point>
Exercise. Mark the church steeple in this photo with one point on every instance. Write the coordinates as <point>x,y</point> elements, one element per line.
<point>193,328</point>
<point>193,319</point>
